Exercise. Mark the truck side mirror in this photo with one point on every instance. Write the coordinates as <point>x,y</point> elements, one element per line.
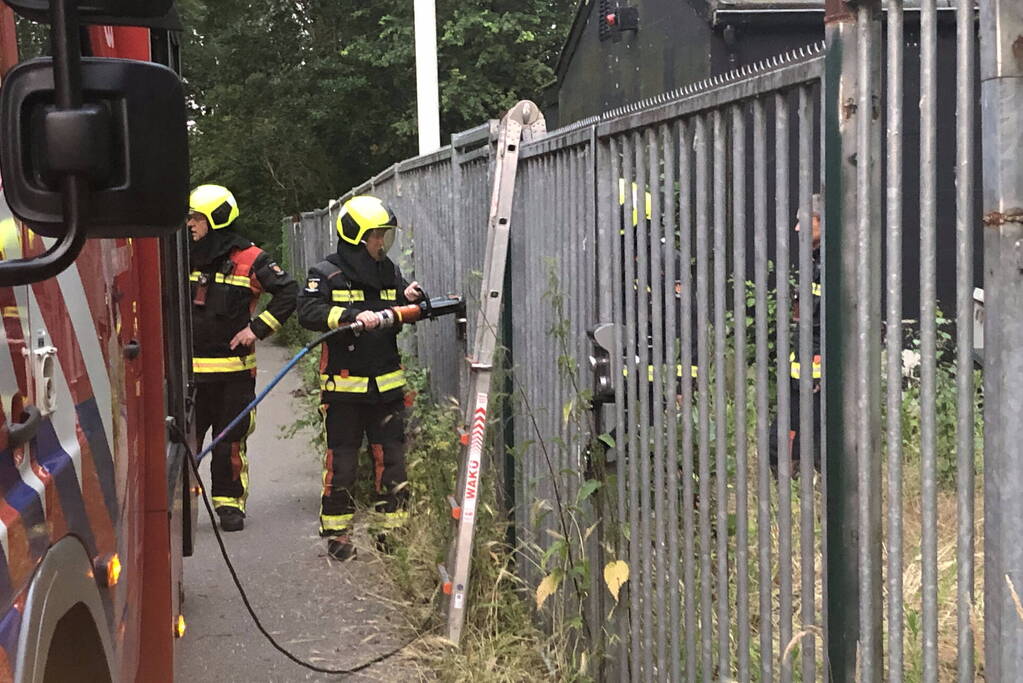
<point>128,139</point>
<point>91,147</point>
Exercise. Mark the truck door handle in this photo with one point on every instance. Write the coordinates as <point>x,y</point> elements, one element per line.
<point>20,433</point>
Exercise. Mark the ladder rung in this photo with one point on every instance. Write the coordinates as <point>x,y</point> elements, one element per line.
<point>456,509</point>
<point>445,579</point>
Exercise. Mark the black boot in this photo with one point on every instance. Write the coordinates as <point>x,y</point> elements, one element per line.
<point>384,542</point>
<point>340,548</point>
<point>231,518</point>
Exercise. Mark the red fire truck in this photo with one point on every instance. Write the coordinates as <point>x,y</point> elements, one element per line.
<point>96,502</point>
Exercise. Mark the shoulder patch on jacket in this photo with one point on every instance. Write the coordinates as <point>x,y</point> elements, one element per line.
<point>312,284</point>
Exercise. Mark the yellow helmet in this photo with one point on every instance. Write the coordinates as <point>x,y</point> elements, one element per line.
<point>216,203</point>
<point>363,213</point>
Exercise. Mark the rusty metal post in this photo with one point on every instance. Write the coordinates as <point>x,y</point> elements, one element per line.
<point>851,360</point>
<point>1001,41</point>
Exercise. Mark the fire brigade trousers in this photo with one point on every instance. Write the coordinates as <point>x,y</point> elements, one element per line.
<point>216,404</point>
<point>795,424</point>
<point>383,425</point>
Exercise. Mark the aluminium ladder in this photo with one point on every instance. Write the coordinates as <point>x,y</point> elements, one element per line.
<point>522,123</point>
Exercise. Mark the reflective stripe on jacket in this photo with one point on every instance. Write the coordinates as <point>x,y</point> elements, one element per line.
<point>366,367</point>
<point>224,297</point>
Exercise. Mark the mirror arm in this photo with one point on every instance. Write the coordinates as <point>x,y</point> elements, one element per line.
<point>56,259</point>
<point>67,79</point>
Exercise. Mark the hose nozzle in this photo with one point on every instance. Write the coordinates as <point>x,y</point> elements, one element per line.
<point>410,313</point>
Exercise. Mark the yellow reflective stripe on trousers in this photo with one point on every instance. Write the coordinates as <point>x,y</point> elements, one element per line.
<point>345,385</point>
<point>230,364</point>
<point>815,288</point>
<point>391,380</point>
<point>693,370</point>
<point>795,367</point>
<point>225,502</point>
<point>243,474</point>
<point>271,322</point>
<point>389,520</point>
<point>338,523</point>
<point>347,295</point>
<point>334,317</point>
<point>389,294</point>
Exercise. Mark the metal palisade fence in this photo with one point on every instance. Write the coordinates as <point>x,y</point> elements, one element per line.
<point>785,457</point>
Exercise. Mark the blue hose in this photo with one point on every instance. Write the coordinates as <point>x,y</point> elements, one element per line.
<point>431,308</point>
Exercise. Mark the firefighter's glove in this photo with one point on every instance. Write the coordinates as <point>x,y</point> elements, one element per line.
<point>369,319</point>
<point>413,292</point>
<point>246,337</point>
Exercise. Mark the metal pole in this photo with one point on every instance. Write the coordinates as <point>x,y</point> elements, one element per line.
<point>893,338</point>
<point>703,388</point>
<point>764,567</point>
<point>721,415</point>
<point>868,369</point>
<point>782,224</point>
<point>739,308</point>
<point>928,335</point>
<point>852,523</point>
<point>686,355</point>
<point>1001,26</point>
<point>427,98</point>
<point>965,223</point>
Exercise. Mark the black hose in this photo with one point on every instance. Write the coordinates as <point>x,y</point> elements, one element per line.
<point>245,598</point>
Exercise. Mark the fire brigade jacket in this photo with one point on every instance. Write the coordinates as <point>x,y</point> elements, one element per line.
<point>364,368</point>
<point>225,292</point>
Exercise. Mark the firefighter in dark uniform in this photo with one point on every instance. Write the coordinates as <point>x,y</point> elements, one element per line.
<point>228,274</point>
<point>645,379</point>
<point>795,367</point>
<point>362,381</point>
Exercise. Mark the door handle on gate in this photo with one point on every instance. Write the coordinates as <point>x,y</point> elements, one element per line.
<point>20,433</point>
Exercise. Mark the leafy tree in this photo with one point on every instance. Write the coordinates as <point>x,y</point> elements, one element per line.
<point>296,101</point>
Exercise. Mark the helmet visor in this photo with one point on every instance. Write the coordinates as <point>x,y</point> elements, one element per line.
<point>379,240</point>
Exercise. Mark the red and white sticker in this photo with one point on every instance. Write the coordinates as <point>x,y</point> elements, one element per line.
<point>474,457</point>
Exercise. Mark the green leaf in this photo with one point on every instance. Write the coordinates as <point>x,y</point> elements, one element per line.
<point>566,410</point>
<point>588,489</point>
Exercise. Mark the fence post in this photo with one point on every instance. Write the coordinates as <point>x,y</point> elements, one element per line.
<point>852,335</point>
<point>1001,41</point>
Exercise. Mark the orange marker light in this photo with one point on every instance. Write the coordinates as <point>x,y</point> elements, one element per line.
<point>108,569</point>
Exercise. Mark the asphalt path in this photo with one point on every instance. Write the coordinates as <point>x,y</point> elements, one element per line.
<point>336,615</point>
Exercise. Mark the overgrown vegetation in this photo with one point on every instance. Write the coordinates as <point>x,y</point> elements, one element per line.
<point>534,611</point>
